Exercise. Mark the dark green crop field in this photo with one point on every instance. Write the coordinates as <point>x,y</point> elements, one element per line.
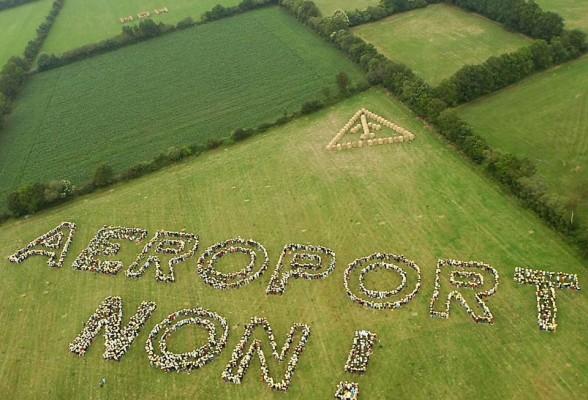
<point>184,88</point>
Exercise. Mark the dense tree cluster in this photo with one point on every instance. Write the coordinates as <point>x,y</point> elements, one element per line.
<point>382,10</point>
<point>473,81</point>
<point>4,4</point>
<point>523,16</point>
<point>32,198</point>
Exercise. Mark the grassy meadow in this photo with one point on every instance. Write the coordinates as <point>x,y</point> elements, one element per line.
<point>574,12</point>
<point>18,25</point>
<point>556,138</point>
<point>328,7</point>
<point>438,40</point>
<point>89,21</point>
<point>420,200</point>
<point>188,87</point>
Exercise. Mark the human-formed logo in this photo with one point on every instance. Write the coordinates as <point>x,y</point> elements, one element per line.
<point>368,129</point>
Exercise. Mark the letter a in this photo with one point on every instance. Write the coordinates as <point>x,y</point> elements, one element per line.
<point>54,245</point>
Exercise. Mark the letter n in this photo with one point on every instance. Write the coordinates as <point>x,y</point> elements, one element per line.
<point>109,317</point>
<point>248,346</point>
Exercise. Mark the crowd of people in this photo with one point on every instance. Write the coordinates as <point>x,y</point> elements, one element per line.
<point>247,348</point>
<point>229,280</point>
<point>161,357</point>
<point>307,262</point>
<point>466,279</point>
<point>109,316</point>
<point>381,294</point>
<point>347,391</point>
<point>470,282</point>
<point>102,245</point>
<point>47,245</point>
<point>382,261</point>
<point>367,138</point>
<point>545,284</point>
<point>361,351</point>
<point>164,243</point>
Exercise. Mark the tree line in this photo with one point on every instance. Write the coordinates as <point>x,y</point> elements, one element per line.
<point>4,4</point>
<point>15,72</point>
<point>515,173</point>
<point>432,104</point>
<point>38,196</point>
<point>146,29</point>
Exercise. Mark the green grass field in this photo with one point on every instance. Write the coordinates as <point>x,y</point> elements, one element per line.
<point>556,138</point>
<point>89,21</point>
<point>328,7</point>
<point>420,199</point>
<point>18,25</point>
<point>130,105</point>
<point>438,40</point>
<point>574,12</point>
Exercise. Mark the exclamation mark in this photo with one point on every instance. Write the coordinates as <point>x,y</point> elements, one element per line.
<point>357,363</point>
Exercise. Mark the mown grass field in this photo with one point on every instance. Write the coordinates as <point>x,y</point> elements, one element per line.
<point>574,12</point>
<point>556,138</point>
<point>328,7</point>
<point>420,199</point>
<point>18,25</point>
<point>89,21</point>
<point>188,87</point>
<point>438,40</point>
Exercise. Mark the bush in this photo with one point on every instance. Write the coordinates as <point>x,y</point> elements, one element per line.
<point>311,106</point>
<point>103,176</point>
<point>213,144</point>
<point>241,134</point>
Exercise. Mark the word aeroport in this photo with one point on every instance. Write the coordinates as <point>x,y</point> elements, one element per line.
<point>469,283</point>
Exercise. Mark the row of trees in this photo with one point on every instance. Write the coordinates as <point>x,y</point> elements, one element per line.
<point>517,174</point>
<point>524,16</point>
<point>146,29</point>
<point>473,81</point>
<point>382,10</point>
<point>4,4</point>
<point>15,72</point>
<point>32,198</point>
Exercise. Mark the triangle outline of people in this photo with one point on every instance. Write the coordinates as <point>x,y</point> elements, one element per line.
<point>366,122</point>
